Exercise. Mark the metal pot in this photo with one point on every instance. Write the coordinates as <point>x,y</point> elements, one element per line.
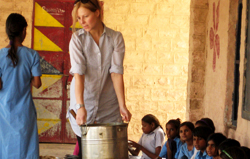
<point>105,141</point>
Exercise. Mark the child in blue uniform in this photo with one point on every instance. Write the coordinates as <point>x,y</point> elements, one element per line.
<point>19,68</point>
<point>151,140</point>
<point>186,134</point>
<point>200,135</point>
<point>213,142</point>
<point>172,146</point>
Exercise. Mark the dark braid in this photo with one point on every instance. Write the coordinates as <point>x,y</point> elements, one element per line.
<point>15,24</point>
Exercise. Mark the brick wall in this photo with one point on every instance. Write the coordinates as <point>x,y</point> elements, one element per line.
<point>24,7</point>
<point>156,34</point>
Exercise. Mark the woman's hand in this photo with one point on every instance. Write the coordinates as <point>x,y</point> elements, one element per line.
<point>81,116</point>
<point>126,115</point>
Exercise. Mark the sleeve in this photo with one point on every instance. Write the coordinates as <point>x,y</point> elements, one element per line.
<point>163,152</point>
<point>0,73</point>
<point>140,141</point>
<point>77,58</point>
<point>159,139</point>
<point>118,55</point>
<point>36,67</point>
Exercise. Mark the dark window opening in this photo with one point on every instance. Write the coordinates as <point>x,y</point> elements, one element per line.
<point>246,103</point>
<point>237,66</point>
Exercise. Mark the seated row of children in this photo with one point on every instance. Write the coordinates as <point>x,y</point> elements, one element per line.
<point>185,141</point>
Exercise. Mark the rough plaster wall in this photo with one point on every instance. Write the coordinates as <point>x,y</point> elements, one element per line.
<point>215,79</point>
<point>156,34</point>
<point>197,63</point>
<point>243,126</point>
<point>24,7</point>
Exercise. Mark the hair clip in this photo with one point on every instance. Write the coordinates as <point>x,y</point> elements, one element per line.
<point>227,154</point>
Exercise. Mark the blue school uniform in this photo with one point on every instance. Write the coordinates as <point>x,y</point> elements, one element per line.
<point>184,151</point>
<point>163,153</point>
<point>203,155</point>
<point>18,125</point>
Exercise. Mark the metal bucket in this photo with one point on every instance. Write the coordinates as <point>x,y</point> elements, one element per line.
<point>105,141</point>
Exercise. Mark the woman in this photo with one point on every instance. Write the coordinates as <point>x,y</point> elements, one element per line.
<point>96,55</point>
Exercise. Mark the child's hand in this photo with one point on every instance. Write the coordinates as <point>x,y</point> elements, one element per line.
<point>133,144</point>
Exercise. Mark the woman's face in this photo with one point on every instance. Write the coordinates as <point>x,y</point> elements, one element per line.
<point>211,149</point>
<point>171,131</point>
<point>87,19</point>
<point>146,127</point>
<point>185,133</point>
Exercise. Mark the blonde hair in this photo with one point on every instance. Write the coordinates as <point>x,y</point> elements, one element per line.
<point>89,6</point>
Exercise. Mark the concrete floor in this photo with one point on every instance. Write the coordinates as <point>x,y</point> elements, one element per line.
<point>55,151</point>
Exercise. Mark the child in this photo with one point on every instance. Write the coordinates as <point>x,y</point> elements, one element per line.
<point>151,140</point>
<point>200,135</point>
<point>233,153</point>
<point>186,134</point>
<point>205,122</point>
<point>228,143</point>
<point>213,142</point>
<point>171,148</point>
<point>247,151</point>
<point>19,69</point>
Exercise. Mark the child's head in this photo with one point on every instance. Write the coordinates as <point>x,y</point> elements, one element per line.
<point>16,26</point>
<point>172,128</point>
<point>205,122</point>
<point>228,143</point>
<point>200,135</point>
<point>149,123</point>
<point>16,31</point>
<point>247,151</point>
<point>186,131</point>
<point>213,142</point>
<point>233,153</point>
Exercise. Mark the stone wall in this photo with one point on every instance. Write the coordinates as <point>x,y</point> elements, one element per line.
<point>156,34</point>
<point>24,7</point>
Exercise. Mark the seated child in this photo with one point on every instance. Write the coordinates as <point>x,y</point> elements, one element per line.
<point>247,151</point>
<point>205,122</point>
<point>233,153</point>
<point>172,146</point>
<point>186,135</point>
<point>228,143</point>
<point>200,135</point>
<point>151,140</point>
<point>213,142</point>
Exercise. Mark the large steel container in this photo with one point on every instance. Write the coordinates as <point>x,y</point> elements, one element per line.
<point>105,141</point>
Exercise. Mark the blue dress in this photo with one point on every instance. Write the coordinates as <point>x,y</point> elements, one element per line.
<point>163,152</point>
<point>18,124</point>
<point>184,151</point>
<point>203,155</point>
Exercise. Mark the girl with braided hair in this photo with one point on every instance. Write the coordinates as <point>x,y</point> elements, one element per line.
<point>19,69</point>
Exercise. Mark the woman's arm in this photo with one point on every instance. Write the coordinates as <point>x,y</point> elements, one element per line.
<point>36,81</point>
<point>81,114</point>
<point>119,90</point>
